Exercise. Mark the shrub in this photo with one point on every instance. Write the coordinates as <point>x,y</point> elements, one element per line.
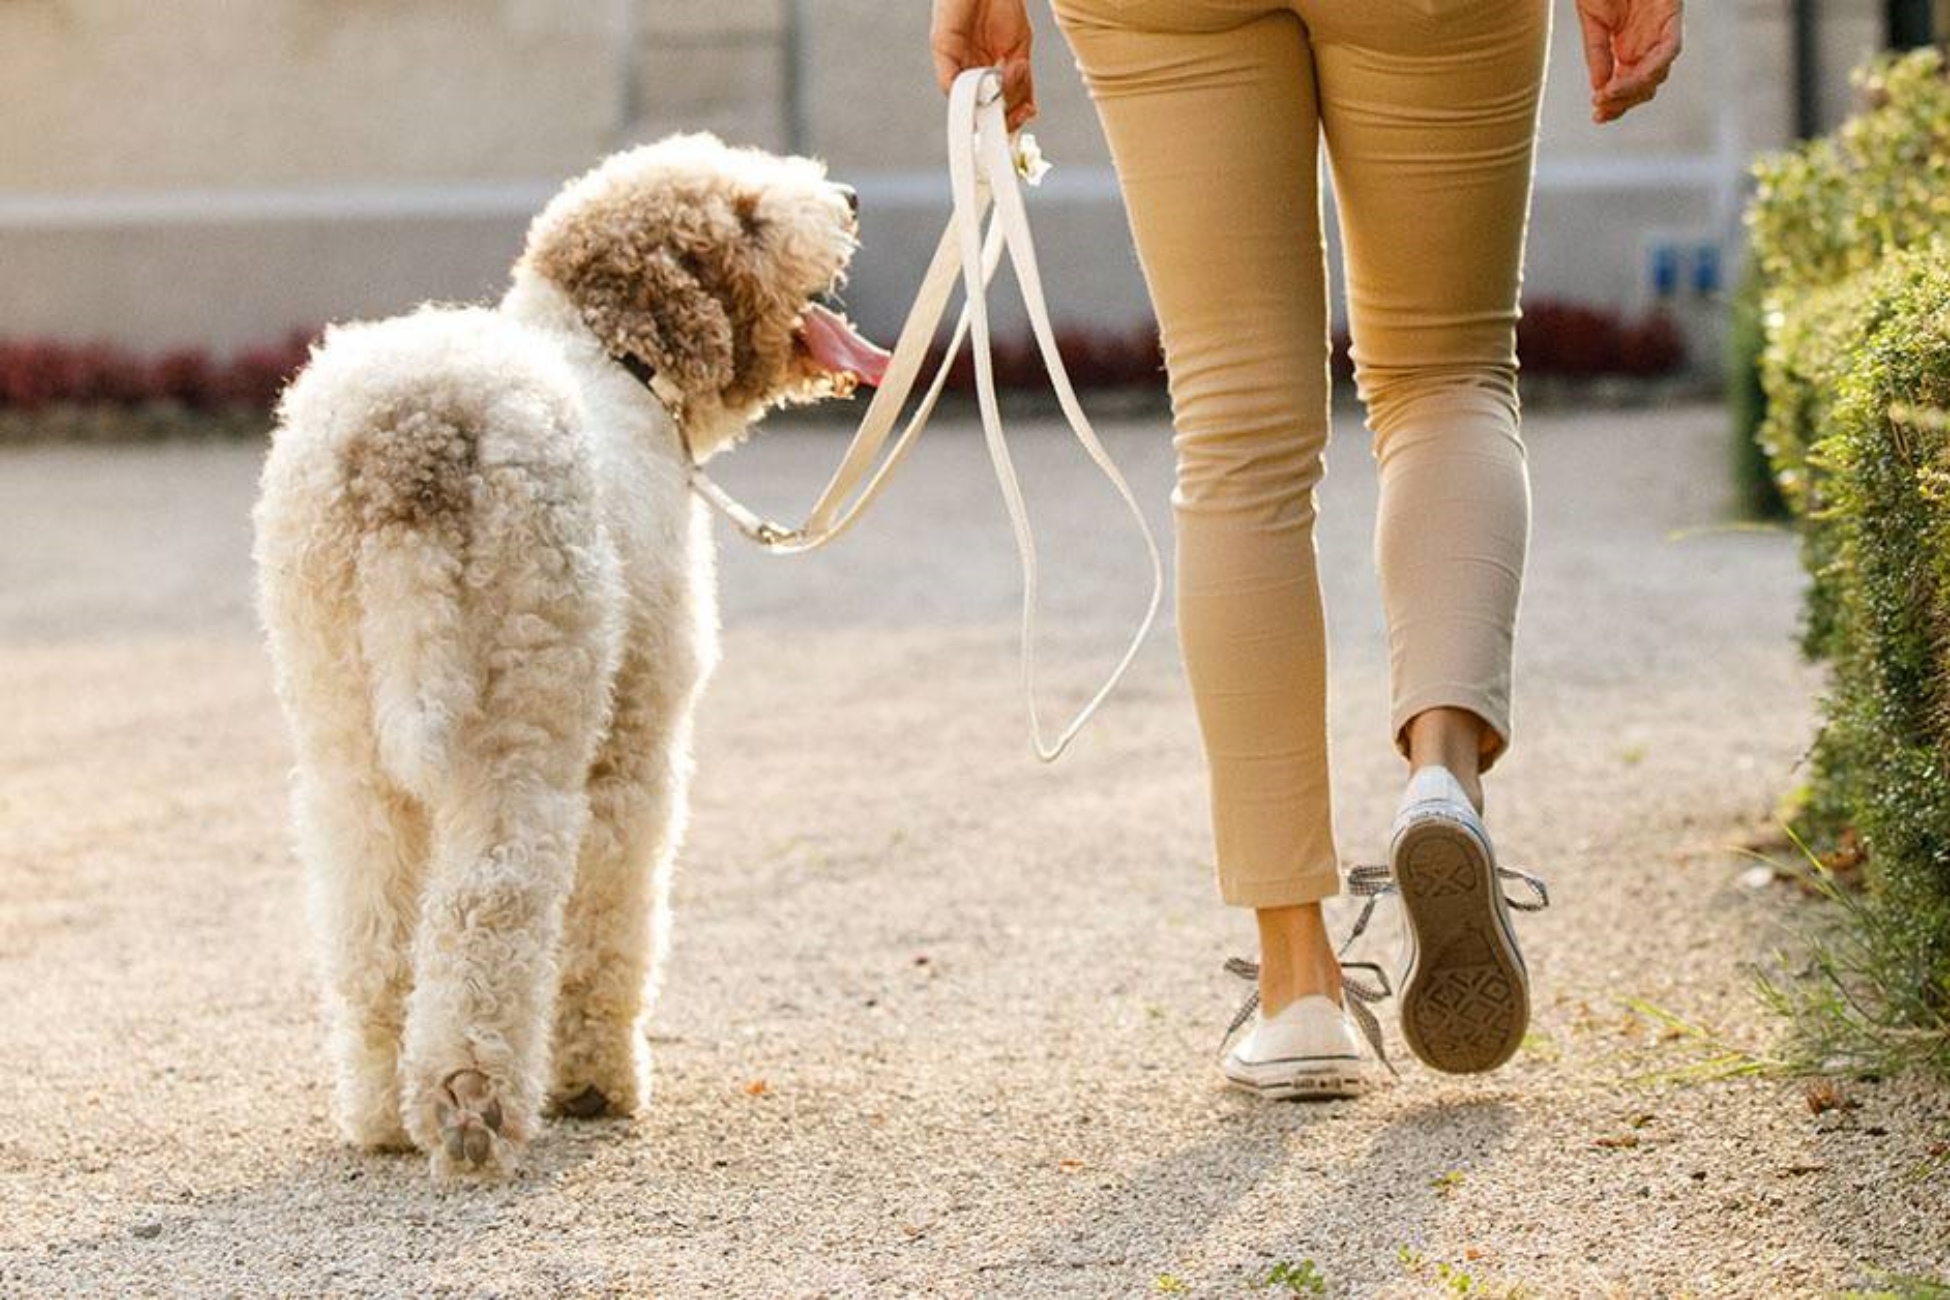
<point>190,377</point>
<point>1882,762</point>
<point>1758,495</point>
<point>1093,358</point>
<point>1579,342</point>
<point>257,375</point>
<point>1575,341</point>
<point>39,373</point>
<point>1553,338</point>
<point>1833,207</point>
<point>1851,235</point>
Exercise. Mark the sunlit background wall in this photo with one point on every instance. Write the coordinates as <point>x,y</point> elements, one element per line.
<point>216,172</point>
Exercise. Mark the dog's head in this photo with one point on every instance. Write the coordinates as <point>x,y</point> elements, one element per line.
<point>706,264</point>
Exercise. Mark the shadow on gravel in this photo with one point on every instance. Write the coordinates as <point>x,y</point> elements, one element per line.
<point>336,1211</point>
<point>1170,1203</point>
<point>1420,1151</point>
<point>1277,1159</point>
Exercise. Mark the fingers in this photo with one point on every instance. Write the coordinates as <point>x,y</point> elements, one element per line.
<point>1018,85</point>
<point>1616,100</point>
<point>947,66</point>
<point>1597,52</point>
<point>1018,91</point>
<point>1610,110</point>
<point>1637,81</point>
<point>967,34</point>
<point>948,41</point>
<point>1647,72</point>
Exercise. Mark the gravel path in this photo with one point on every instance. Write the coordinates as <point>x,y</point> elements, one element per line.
<point>939,1020</point>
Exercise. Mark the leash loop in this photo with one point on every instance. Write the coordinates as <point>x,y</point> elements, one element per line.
<point>982,170</point>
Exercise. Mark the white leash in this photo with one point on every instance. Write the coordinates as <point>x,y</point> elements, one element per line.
<point>982,169</point>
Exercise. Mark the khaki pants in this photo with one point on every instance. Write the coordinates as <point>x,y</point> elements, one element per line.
<point>1214,111</point>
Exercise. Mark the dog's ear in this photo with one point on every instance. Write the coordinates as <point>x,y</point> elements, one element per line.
<point>681,328</point>
<point>650,305</point>
<point>745,207</point>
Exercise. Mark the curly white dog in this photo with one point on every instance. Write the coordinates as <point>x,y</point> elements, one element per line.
<point>489,599</point>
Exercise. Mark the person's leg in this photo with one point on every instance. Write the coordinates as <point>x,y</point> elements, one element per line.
<point>1209,109</point>
<point>1430,111</point>
<point>1453,738</point>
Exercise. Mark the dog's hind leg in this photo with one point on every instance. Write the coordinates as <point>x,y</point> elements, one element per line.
<point>362,838</point>
<point>367,844</point>
<point>618,916</point>
<point>538,625</point>
<point>485,971</point>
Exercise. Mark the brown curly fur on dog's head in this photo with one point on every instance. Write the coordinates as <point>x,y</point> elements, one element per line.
<point>698,259</point>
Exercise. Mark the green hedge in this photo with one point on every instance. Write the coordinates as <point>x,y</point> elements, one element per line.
<point>1757,495</point>
<point>1835,206</point>
<point>1852,239</point>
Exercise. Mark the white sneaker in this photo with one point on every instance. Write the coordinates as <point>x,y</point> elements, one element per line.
<point>1465,995</point>
<point>1309,1050</point>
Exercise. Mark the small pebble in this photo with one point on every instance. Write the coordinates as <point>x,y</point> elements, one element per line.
<point>147,1229</point>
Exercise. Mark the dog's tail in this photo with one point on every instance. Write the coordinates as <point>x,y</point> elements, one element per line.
<point>483,581</point>
<point>409,581</point>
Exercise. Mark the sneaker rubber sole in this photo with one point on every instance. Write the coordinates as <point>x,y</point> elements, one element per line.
<point>1465,1004</point>
<point>1312,1080</point>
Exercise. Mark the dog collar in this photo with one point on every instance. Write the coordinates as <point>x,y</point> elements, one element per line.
<point>640,370</point>
<point>646,375</point>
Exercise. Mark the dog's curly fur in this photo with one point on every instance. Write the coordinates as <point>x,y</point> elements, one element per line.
<point>488,594</point>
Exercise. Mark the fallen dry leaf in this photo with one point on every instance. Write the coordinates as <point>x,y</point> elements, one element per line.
<point>1825,1095</point>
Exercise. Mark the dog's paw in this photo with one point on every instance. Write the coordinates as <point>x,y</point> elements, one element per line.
<point>599,1094</point>
<point>472,1126</point>
<point>369,1118</point>
<point>582,1103</point>
<point>389,1137</point>
<point>600,1075</point>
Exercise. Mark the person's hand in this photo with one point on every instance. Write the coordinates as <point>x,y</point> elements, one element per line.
<point>978,33</point>
<point>1629,46</point>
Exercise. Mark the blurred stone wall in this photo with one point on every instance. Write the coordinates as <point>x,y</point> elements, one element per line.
<point>116,95</point>
<point>714,65</point>
<point>216,171</point>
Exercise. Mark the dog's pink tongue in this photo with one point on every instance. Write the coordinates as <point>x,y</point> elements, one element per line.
<point>836,346</point>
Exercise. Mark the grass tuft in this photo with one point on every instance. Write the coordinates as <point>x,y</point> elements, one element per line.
<point>1300,1279</point>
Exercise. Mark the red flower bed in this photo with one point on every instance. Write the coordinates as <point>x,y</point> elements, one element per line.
<point>1571,341</point>
<point>1093,358</point>
<point>1553,338</point>
<point>36,373</point>
<point>1559,338</point>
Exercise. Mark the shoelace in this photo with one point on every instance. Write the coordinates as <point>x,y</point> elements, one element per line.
<point>1373,882</point>
<point>1357,997</point>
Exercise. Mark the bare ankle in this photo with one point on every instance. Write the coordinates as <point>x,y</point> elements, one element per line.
<point>1471,783</point>
<point>1451,738</point>
<point>1296,958</point>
